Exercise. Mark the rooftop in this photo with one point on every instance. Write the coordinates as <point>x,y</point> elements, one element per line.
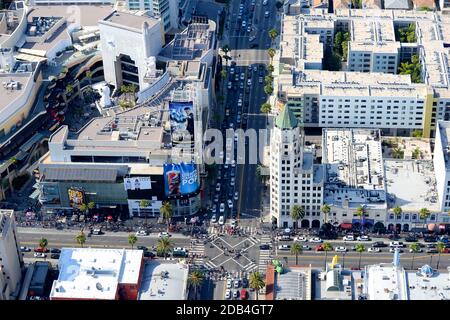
<point>434,287</point>
<point>95,273</point>
<point>164,281</point>
<point>130,20</point>
<point>411,184</point>
<point>385,282</point>
<point>293,284</point>
<point>396,4</point>
<point>286,119</point>
<point>12,89</point>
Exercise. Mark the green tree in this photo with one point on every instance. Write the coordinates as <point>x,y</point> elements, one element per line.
<point>270,68</point>
<point>338,39</point>
<point>43,243</point>
<point>327,247</point>
<point>415,248</point>
<point>91,205</point>
<point>195,280</point>
<point>223,74</point>
<point>268,80</point>
<point>166,212</point>
<point>416,153</point>
<point>297,213</point>
<point>398,153</point>
<point>296,249</point>
<point>256,282</point>
<point>440,247</point>
<point>268,89</point>
<point>416,133</point>
<point>271,52</point>
<point>360,212</point>
<point>89,76</point>
<point>132,239</point>
<point>326,211</point>
<point>397,210</point>
<point>273,33</point>
<point>164,246</point>
<point>360,248</point>
<point>83,207</point>
<point>81,238</point>
<point>69,89</point>
<point>424,213</point>
<point>266,108</point>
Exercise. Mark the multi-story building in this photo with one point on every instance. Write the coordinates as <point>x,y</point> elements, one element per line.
<point>11,261</point>
<point>294,178</point>
<point>167,10</point>
<point>441,163</point>
<point>354,177</point>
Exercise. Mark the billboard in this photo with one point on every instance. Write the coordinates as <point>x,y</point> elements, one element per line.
<point>50,192</point>
<point>137,183</point>
<point>76,197</point>
<point>180,179</point>
<point>181,118</point>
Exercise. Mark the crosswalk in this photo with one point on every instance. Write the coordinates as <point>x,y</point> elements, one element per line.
<point>265,256</point>
<point>199,250</point>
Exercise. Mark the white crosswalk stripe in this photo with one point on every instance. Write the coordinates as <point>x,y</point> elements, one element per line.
<point>253,240</point>
<point>210,265</point>
<point>264,258</point>
<point>250,267</point>
<point>199,250</point>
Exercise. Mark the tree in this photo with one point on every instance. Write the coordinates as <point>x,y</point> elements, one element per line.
<point>89,76</point>
<point>297,213</point>
<point>266,108</point>
<point>416,133</point>
<point>195,280</point>
<point>273,33</point>
<point>424,213</point>
<point>415,247</point>
<point>271,52</point>
<point>326,211</point>
<point>91,205</point>
<point>81,238</point>
<point>132,239</point>
<point>166,212</point>
<point>268,89</point>
<point>397,210</point>
<point>416,153</point>
<point>296,249</point>
<point>223,74</point>
<point>69,89</point>
<point>270,68</point>
<point>43,243</point>
<point>268,80</point>
<point>360,212</point>
<point>256,282</point>
<point>397,153</point>
<point>360,248</point>
<point>327,247</point>
<point>164,246</point>
<point>440,247</point>
<point>338,38</point>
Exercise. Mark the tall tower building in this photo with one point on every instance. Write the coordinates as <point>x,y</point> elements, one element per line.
<point>294,179</point>
<point>11,260</point>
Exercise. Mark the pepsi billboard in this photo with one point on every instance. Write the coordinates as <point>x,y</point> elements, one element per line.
<point>180,179</point>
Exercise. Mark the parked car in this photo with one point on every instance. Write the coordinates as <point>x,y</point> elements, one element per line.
<point>319,248</point>
<point>39,255</point>
<point>228,294</point>
<point>392,250</point>
<point>284,237</point>
<point>40,250</point>
<point>25,249</point>
<point>213,218</point>
<point>55,250</point>
<point>363,238</point>
<point>141,233</point>
<point>306,248</point>
<point>143,248</point>
<point>419,250</point>
<point>222,208</point>
<point>235,294</point>
<point>54,256</point>
<point>432,250</point>
<point>340,249</point>
<point>316,240</point>
<point>411,239</point>
<point>348,238</point>
<point>229,284</point>
<point>373,249</point>
<point>379,244</point>
<point>244,294</point>
<point>221,220</point>
<point>149,254</point>
<point>236,283</point>
<point>230,204</point>
<point>396,244</point>
<point>284,247</point>
<point>300,239</point>
<point>430,239</point>
<point>164,234</point>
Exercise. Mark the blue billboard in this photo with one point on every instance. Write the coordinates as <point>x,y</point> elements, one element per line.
<point>181,118</point>
<point>180,179</point>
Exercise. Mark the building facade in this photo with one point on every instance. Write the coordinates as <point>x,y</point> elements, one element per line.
<point>167,10</point>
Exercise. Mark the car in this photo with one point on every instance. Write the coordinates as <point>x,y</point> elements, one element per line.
<point>231,70</point>
<point>244,24</point>
<point>249,29</point>
<point>348,237</point>
<point>216,198</point>
<point>236,77</point>
<point>372,249</point>
<point>97,231</point>
<point>392,250</point>
<point>149,254</point>
<point>40,250</point>
<point>235,294</point>
<point>264,246</point>
<point>213,218</point>
<point>319,248</point>
<point>241,85</point>
<point>236,196</point>
<point>432,251</point>
<point>379,244</point>
<point>54,256</point>
<point>143,248</point>
<point>229,284</point>
<point>411,239</point>
<point>218,187</point>
<point>39,255</point>
<point>233,163</point>
<point>260,80</point>
<point>179,252</point>
<point>232,173</point>
<point>221,220</point>
<point>340,249</point>
<point>266,14</point>
<point>306,248</point>
<point>244,294</point>
<point>141,233</point>
<point>236,283</point>
<point>315,240</point>
<point>228,294</point>
<point>229,85</point>
<point>252,38</point>
<point>431,245</point>
<point>430,239</point>
<point>231,125</point>
<point>233,223</point>
<point>284,247</point>
<point>222,208</point>
<point>242,77</point>
<point>25,249</point>
<point>284,237</point>
<point>300,239</point>
<point>363,238</point>
<point>254,45</point>
<point>232,181</point>
<point>396,244</point>
<point>230,204</point>
<point>249,82</point>
<point>55,250</point>
<point>214,206</point>
<point>419,250</point>
<point>164,234</point>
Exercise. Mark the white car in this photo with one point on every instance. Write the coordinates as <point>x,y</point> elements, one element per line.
<point>244,24</point>
<point>242,76</point>
<point>396,244</point>
<point>235,294</point>
<point>236,196</point>
<point>233,223</point>
<point>226,165</point>
<point>265,2</point>
<point>392,250</point>
<point>300,239</point>
<point>349,238</point>
<point>229,284</point>
<point>228,294</point>
<point>315,240</point>
<point>231,70</point>
<point>180,249</point>
<point>236,283</point>
<point>363,238</point>
<point>249,82</point>
<point>371,249</point>
<point>222,208</point>
<point>232,182</point>
<point>249,29</point>
<point>284,247</point>
<point>164,235</point>
<point>239,103</point>
<point>340,249</point>
<point>420,250</point>
<point>230,204</point>
<point>141,233</point>
<point>266,14</point>
<point>39,255</point>
<point>213,219</point>
<point>233,163</point>
<point>221,220</point>
<point>229,85</point>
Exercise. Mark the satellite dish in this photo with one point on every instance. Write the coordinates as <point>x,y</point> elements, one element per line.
<point>99,286</point>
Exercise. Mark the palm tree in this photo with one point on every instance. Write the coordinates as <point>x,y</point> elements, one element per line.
<point>273,33</point>
<point>91,205</point>
<point>440,247</point>
<point>81,238</point>
<point>83,208</point>
<point>326,211</point>
<point>166,212</point>
<point>360,211</point>
<point>297,213</point>
<point>266,108</point>
<point>296,249</point>
<point>223,74</point>
<point>270,68</point>
<point>424,213</point>
<point>144,203</point>
<point>360,248</point>
<point>256,282</point>
<point>397,210</point>
<point>415,247</point>
<point>195,280</point>
<point>43,243</point>
<point>132,239</point>
<point>164,246</point>
<point>268,89</point>
<point>89,76</point>
<point>268,80</point>
<point>327,247</point>
<point>397,153</point>
<point>271,52</point>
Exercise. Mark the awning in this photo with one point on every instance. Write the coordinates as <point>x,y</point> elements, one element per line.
<point>431,227</point>
<point>35,194</point>
<point>79,174</point>
<point>30,57</point>
<point>29,144</point>
<point>346,226</point>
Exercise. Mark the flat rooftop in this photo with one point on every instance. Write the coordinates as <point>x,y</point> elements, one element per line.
<point>411,184</point>
<point>164,281</point>
<point>12,88</point>
<point>87,273</point>
<point>293,284</point>
<point>435,287</point>
<point>131,20</point>
<point>385,282</point>
<point>88,14</point>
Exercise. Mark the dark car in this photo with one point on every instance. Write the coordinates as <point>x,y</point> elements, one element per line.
<point>142,248</point>
<point>254,45</point>
<point>55,251</point>
<point>54,256</point>
<point>149,254</point>
<point>411,239</point>
<point>430,239</point>
<point>379,244</point>
<point>264,247</point>
<point>431,245</point>
<point>432,251</point>
<point>244,283</point>
<point>394,237</point>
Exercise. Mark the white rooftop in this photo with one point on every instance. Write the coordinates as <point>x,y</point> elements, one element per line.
<point>436,287</point>
<point>164,281</point>
<point>87,273</point>
<point>385,282</point>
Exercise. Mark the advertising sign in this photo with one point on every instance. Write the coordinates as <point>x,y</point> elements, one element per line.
<point>137,183</point>
<point>180,179</point>
<point>181,118</point>
<point>76,197</point>
<point>50,192</point>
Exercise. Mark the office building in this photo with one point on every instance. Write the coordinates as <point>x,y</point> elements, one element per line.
<point>442,164</point>
<point>167,10</point>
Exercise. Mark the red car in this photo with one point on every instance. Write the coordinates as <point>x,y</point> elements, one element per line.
<point>41,250</point>
<point>244,294</point>
<point>319,248</point>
